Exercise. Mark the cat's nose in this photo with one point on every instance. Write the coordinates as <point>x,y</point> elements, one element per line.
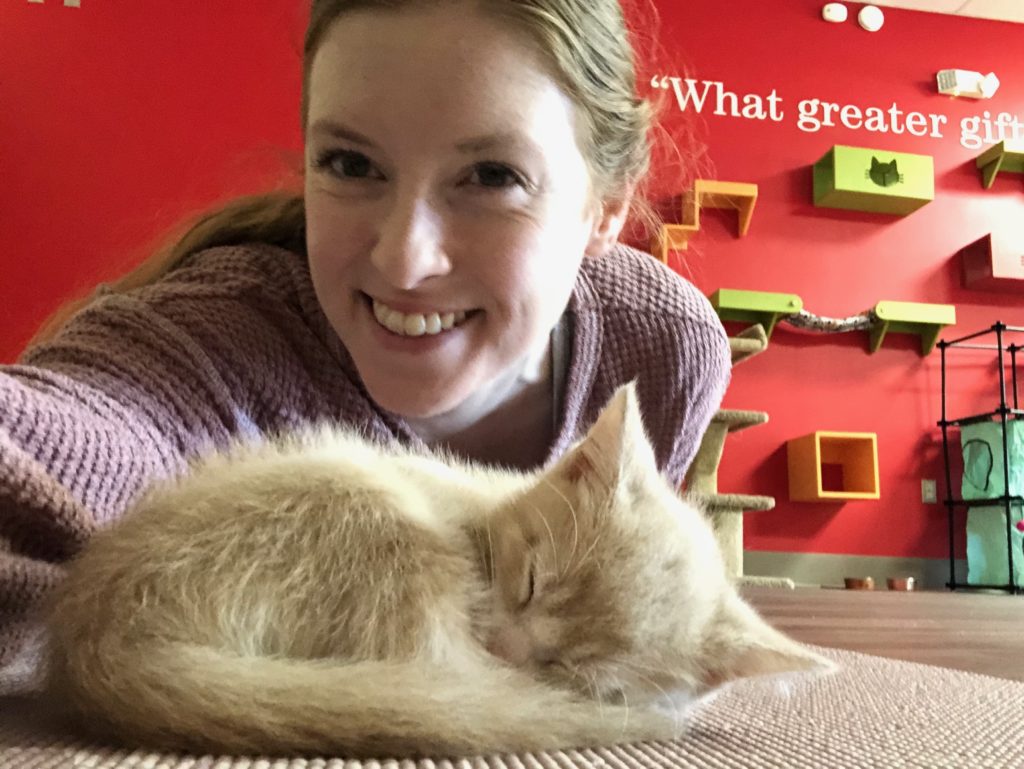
<point>511,644</point>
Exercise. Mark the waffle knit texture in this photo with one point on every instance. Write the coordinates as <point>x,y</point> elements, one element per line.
<point>232,343</point>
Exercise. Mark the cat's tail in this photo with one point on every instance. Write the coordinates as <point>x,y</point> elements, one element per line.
<point>200,699</point>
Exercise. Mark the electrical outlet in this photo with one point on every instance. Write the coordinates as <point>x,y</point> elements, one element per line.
<point>928,491</point>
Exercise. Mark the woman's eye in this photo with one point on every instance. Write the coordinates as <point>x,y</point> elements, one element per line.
<point>348,164</point>
<point>496,176</point>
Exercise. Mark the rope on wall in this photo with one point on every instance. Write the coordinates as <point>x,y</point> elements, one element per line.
<point>823,324</point>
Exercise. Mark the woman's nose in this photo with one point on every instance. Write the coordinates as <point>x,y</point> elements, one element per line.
<point>409,246</point>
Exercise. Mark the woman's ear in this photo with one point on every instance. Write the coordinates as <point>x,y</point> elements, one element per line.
<point>610,220</point>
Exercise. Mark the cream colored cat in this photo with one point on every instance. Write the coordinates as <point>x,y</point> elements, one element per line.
<point>319,595</point>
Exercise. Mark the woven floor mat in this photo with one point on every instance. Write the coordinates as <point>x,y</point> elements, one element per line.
<point>875,713</point>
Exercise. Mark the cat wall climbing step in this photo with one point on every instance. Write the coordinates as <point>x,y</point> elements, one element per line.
<point>736,420</point>
<point>877,181</point>
<point>749,342</point>
<point>737,503</point>
<point>762,307</point>
<point>702,477</point>
<point>989,264</point>
<point>706,193</point>
<point>726,512</point>
<point>925,320</point>
<point>828,466</point>
<point>1006,156</point>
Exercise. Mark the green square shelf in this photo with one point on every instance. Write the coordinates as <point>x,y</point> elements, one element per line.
<point>843,179</point>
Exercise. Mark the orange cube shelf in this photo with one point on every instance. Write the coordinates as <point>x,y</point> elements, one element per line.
<point>830,466</point>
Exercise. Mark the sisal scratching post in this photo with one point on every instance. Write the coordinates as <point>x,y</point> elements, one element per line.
<point>748,343</point>
<point>726,510</point>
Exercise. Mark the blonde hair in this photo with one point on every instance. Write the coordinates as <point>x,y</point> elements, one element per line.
<point>586,46</point>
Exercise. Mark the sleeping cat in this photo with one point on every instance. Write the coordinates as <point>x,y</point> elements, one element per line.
<point>320,595</point>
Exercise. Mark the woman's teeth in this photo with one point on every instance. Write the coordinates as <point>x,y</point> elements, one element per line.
<point>416,324</point>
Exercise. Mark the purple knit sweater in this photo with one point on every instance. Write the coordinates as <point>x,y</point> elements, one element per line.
<point>233,342</point>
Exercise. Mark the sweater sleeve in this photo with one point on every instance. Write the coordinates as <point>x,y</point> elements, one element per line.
<point>658,329</point>
<point>231,344</point>
<point>705,369</point>
<point>121,397</point>
<point>682,366</point>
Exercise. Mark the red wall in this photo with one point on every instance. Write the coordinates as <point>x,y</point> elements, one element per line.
<point>841,263</point>
<point>121,117</point>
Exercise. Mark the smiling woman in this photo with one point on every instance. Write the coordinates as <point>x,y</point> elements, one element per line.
<point>485,210</point>
<point>449,278</point>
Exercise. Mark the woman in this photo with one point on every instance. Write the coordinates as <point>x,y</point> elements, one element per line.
<point>450,277</point>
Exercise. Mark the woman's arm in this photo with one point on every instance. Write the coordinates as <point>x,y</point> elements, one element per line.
<point>124,395</point>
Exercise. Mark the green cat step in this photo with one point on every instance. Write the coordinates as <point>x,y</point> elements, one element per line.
<point>877,181</point>
<point>761,307</point>
<point>926,320</point>
<point>1004,156</point>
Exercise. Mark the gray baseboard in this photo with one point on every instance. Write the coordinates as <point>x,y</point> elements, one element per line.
<point>828,570</point>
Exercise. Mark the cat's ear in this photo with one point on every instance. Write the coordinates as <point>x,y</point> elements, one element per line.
<point>614,446</point>
<point>742,645</point>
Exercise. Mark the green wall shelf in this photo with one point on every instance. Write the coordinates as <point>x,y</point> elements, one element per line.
<point>1004,156</point>
<point>763,307</point>
<point>863,179</point>
<point>766,309</point>
<point>926,320</point>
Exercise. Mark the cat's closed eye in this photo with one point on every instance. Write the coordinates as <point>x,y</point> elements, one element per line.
<point>529,587</point>
<point>551,663</point>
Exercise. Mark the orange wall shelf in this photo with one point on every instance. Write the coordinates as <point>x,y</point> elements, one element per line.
<point>833,466</point>
<point>706,193</point>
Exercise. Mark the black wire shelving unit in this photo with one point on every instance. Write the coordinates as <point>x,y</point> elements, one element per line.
<point>1009,409</point>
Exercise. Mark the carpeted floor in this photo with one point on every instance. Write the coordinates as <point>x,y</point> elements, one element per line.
<point>875,713</point>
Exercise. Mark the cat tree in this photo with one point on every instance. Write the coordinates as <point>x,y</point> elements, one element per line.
<point>726,511</point>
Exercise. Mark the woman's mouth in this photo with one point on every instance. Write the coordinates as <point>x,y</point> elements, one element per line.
<point>417,324</point>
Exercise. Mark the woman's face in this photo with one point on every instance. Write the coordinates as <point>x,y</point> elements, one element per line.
<point>448,204</point>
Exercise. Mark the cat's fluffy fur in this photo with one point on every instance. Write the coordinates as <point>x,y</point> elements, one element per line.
<point>321,595</point>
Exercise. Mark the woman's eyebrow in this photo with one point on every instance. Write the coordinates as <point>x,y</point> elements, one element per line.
<point>503,139</point>
<point>336,130</point>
